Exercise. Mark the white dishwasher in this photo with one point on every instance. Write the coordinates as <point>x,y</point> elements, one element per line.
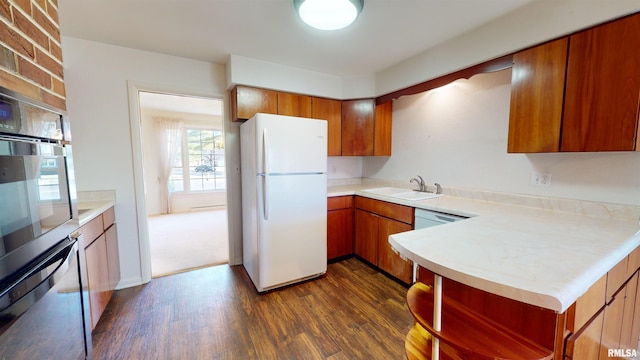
<point>427,218</point>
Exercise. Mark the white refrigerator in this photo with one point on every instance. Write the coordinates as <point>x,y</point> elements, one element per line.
<point>284,199</point>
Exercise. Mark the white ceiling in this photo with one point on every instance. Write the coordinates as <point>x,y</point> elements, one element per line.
<point>387,31</point>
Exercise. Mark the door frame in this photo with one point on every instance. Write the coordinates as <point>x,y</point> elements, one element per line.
<point>135,122</point>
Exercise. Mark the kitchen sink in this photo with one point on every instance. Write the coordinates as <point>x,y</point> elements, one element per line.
<point>400,193</point>
<point>416,195</point>
<point>385,190</point>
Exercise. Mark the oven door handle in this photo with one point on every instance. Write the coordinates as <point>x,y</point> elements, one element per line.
<point>51,267</point>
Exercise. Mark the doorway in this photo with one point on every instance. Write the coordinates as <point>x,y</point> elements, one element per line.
<point>184,180</point>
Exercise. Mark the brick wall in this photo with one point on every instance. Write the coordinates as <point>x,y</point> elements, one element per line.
<point>30,52</point>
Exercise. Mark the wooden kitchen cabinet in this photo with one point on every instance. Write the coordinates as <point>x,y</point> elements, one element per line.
<point>606,316</point>
<point>388,260</point>
<point>365,242</point>
<point>479,321</point>
<point>294,104</point>
<point>100,243</point>
<point>366,128</point>
<point>374,221</point>
<point>593,76</point>
<point>355,127</point>
<point>382,129</point>
<point>358,127</point>
<point>586,344</point>
<point>603,88</point>
<point>339,227</point>
<point>247,101</point>
<point>330,110</point>
<point>113,255</point>
<point>537,90</point>
<point>98,278</point>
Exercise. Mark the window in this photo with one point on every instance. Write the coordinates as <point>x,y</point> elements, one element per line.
<point>199,164</point>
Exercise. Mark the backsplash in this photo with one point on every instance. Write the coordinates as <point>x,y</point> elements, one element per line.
<point>99,195</point>
<point>603,210</point>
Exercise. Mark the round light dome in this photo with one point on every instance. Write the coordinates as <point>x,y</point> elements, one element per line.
<point>328,14</point>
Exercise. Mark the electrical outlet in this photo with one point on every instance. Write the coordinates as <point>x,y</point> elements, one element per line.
<point>541,179</point>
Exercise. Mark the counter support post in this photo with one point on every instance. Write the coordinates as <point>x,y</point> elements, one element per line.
<point>437,311</point>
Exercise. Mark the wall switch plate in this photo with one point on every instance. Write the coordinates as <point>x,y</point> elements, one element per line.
<point>541,179</point>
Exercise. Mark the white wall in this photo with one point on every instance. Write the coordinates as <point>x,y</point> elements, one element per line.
<point>96,77</point>
<point>457,136</point>
<point>344,167</point>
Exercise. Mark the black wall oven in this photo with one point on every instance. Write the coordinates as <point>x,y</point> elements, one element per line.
<point>41,297</point>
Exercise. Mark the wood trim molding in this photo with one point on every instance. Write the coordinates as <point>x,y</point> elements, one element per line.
<point>494,65</point>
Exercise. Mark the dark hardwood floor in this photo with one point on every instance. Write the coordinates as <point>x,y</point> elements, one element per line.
<point>353,312</point>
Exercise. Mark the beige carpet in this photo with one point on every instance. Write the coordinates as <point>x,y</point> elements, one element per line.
<point>186,241</point>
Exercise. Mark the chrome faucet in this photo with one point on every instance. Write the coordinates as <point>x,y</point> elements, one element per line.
<point>438,188</point>
<point>419,182</point>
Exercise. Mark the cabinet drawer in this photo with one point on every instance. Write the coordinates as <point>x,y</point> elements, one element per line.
<point>339,202</point>
<point>108,218</point>
<point>92,230</point>
<point>393,211</point>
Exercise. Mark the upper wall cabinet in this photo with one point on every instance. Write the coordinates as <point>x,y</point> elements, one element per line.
<point>355,127</point>
<point>537,91</point>
<point>366,128</point>
<point>331,110</point>
<point>578,93</point>
<point>382,132</point>
<point>603,88</point>
<point>294,105</point>
<point>247,101</point>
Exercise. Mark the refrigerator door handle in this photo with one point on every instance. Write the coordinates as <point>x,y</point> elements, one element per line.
<point>265,171</point>
<point>265,197</point>
<point>265,152</point>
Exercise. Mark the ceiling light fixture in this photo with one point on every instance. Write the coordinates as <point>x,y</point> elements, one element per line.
<point>328,14</point>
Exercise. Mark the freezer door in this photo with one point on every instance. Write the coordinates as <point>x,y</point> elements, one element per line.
<point>292,242</point>
<point>288,144</point>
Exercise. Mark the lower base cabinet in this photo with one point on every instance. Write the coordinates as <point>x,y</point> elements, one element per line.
<point>339,226</point>
<point>98,277</point>
<point>374,221</point>
<point>604,323</point>
<point>100,241</point>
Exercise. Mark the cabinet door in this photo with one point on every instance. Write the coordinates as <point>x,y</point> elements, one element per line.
<point>247,101</point>
<point>294,105</point>
<point>98,278</point>
<point>330,110</point>
<point>382,132</point>
<point>366,236</point>
<point>612,325</point>
<point>113,256</point>
<point>388,260</point>
<point>358,127</point>
<point>339,233</point>
<point>603,87</point>
<point>630,315</point>
<point>537,93</point>
<point>586,345</point>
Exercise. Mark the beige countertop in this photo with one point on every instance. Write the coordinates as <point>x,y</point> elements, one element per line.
<point>547,253</point>
<point>88,210</point>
